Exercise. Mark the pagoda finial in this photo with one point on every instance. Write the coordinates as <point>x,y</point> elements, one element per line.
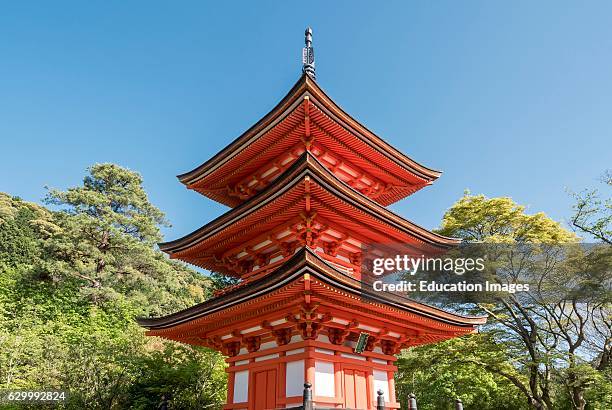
<point>308,59</point>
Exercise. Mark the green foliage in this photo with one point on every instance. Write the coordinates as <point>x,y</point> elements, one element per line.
<point>440,373</point>
<point>189,376</point>
<point>478,218</point>
<point>104,237</point>
<point>112,206</point>
<point>593,211</point>
<point>556,339</point>
<point>600,393</point>
<point>72,283</point>
<point>17,236</point>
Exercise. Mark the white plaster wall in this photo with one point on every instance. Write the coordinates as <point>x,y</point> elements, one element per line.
<point>267,357</point>
<point>324,379</point>
<point>381,382</point>
<point>241,386</point>
<point>353,356</point>
<point>267,345</point>
<point>295,378</point>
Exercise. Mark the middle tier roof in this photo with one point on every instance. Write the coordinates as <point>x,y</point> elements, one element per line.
<point>307,206</point>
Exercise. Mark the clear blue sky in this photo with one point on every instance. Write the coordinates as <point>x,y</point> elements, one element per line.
<point>511,98</point>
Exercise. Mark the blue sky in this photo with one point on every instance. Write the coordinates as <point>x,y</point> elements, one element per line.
<point>508,99</point>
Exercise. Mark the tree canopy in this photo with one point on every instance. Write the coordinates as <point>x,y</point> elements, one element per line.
<point>74,278</point>
<point>552,345</point>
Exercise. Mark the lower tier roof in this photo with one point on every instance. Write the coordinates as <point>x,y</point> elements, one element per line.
<point>307,296</point>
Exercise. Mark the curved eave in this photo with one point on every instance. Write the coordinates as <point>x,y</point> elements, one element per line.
<point>305,261</point>
<point>305,86</point>
<point>309,165</point>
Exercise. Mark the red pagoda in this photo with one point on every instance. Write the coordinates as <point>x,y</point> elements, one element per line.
<point>307,186</point>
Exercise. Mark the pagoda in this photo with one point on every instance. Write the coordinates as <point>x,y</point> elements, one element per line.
<point>307,186</point>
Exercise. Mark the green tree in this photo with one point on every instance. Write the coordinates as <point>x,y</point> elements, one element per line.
<point>106,235</point>
<point>440,373</point>
<point>476,218</point>
<point>72,281</point>
<point>196,378</point>
<point>110,212</point>
<point>546,330</point>
<point>593,212</point>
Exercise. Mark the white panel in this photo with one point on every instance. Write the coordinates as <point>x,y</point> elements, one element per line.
<point>295,351</point>
<point>283,234</point>
<point>353,356</point>
<point>381,382</point>
<point>369,328</point>
<point>241,386</point>
<point>324,351</point>
<point>261,244</point>
<point>241,362</point>
<point>341,321</point>
<point>267,345</point>
<point>250,329</point>
<point>278,322</point>
<point>379,361</point>
<point>276,258</point>
<point>268,357</point>
<point>295,378</point>
<point>324,379</point>
<point>344,258</point>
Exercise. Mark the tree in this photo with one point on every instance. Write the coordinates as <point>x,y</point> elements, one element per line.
<point>112,212</point>
<point>440,373</point>
<point>593,214</point>
<point>549,324</point>
<point>105,237</point>
<point>72,282</point>
<point>476,218</point>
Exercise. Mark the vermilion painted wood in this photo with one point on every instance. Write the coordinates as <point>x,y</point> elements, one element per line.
<point>308,119</point>
<point>308,185</point>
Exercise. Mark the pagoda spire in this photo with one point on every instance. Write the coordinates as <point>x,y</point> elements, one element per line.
<point>308,59</point>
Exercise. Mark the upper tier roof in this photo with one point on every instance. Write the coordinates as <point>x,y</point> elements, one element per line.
<point>307,119</point>
<point>339,220</point>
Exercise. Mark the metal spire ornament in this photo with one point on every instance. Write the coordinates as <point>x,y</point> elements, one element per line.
<point>308,59</point>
